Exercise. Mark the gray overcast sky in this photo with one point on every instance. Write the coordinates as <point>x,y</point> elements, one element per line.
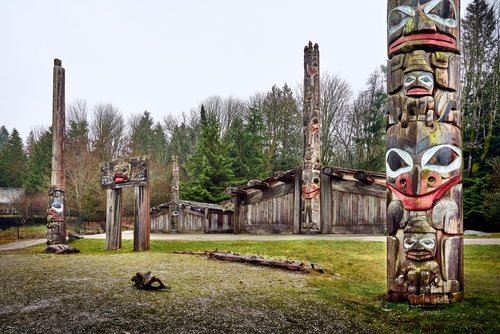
<point>166,56</point>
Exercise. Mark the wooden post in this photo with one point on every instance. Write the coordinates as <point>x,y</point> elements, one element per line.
<point>207,221</point>
<point>311,163</point>
<point>113,219</point>
<point>142,223</point>
<point>56,213</point>
<point>236,215</point>
<point>297,200</point>
<point>326,204</point>
<point>424,155</point>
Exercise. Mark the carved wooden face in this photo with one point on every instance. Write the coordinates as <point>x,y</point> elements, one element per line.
<point>311,183</point>
<point>423,24</point>
<point>121,172</point>
<point>420,172</point>
<point>420,246</point>
<point>419,83</point>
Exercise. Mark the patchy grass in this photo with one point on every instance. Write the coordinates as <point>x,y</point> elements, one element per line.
<point>92,291</point>
<point>25,232</point>
<point>490,235</point>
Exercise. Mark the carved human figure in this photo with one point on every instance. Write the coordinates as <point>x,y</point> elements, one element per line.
<point>420,269</point>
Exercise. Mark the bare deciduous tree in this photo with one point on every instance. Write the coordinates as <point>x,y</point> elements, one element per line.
<point>107,132</point>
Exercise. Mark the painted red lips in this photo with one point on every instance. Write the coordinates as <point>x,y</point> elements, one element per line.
<point>440,41</point>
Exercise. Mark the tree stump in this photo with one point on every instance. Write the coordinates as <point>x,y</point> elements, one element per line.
<point>144,281</point>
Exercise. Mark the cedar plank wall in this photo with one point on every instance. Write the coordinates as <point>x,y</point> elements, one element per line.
<point>268,211</point>
<point>192,221</point>
<point>357,207</point>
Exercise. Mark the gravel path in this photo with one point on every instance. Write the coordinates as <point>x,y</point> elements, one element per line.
<point>129,235</point>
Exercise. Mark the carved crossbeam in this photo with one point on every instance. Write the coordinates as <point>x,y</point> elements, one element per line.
<point>233,191</point>
<point>364,177</point>
<point>258,184</point>
<point>333,172</point>
<point>283,176</point>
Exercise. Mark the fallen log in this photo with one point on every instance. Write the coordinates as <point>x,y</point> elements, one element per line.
<point>257,260</point>
<point>74,237</point>
<point>61,249</point>
<point>144,281</point>
<point>260,261</point>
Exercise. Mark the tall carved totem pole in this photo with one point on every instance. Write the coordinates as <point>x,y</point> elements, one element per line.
<point>311,165</point>
<point>56,220</point>
<point>423,153</point>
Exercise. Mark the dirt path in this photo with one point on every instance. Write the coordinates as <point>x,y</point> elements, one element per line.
<point>22,244</point>
<point>129,235</point>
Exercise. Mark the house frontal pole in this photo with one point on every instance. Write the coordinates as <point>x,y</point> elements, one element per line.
<point>423,153</point>
<point>311,162</point>
<point>56,217</point>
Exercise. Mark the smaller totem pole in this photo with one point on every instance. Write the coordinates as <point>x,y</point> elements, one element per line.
<point>174,210</point>
<point>311,166</point>
<point>56,219</point>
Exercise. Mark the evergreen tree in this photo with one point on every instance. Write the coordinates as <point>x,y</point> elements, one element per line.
<point>4,135</point>
<point>246,146</point>
<point>283,130</point>
<point>480,77</point>
<point>12,161</point>
<point>209,167</point>
<point>368,119</point>
<point>39,165</point>
<point>141,139</point>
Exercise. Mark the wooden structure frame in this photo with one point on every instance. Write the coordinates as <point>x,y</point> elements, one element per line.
<point>115,175</point>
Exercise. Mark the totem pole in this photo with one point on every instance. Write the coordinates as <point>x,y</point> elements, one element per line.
<point>423,153</point>
<point>56,219</point>
<point>311,165</point>
<point>174,210</point>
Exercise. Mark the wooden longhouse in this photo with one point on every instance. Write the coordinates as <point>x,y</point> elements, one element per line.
<point>191,217</point>
<point>351,202</point>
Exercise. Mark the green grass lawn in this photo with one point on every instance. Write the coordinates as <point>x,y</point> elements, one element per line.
<point>354,282</point>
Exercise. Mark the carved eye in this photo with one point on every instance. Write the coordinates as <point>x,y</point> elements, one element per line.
<point>442,158</point>
<point>428,242</point>
<point>442,11</point>
<point>397,162</point>
<point>409,80</point>
<point>409,242</point>
<point>124,169</point>
<point>426,79</point>
<point>398,17</point>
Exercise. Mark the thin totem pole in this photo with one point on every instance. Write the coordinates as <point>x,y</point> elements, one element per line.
<point>56,219</point>
<point>174,210</point>
<point>423,153</point>
<point>311,166</point>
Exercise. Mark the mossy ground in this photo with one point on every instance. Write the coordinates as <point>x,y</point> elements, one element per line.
<point>92,291</point>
